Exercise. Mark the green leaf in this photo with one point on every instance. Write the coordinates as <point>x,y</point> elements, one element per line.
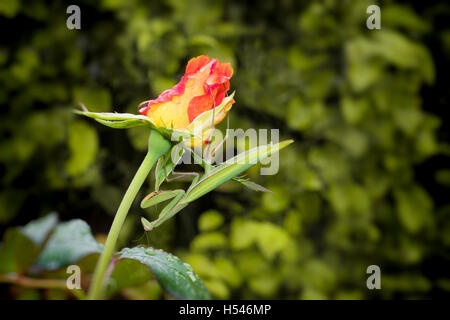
<point>175,276</point>
<point>83,145</point>
<point>231,168</point>
<point>9,8</point>
<point>128,273</point>
<point>114,116</point>
<point>119,120</point>
<point>38,230</point>
<point>271,239</point>
<point>21,245</point>
<point>209,240</point>
<point>414,208</point>
<point>17,252</point>
<point>129,120</point>
<point>122,124</point>
<point>210,220</point>
<point>244,233</point>
<point>275,202</point>
<point>395,16</point>
<point>70,242</point>
<point>228,271</point>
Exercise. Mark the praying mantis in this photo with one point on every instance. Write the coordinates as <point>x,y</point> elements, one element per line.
<point>203,183</point>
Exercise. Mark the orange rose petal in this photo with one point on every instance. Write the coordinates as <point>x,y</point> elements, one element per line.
<point>203,86</point>
<point>221,73</point>
<point>198,105</point>
<point>197,63</point>
<point>167,95</point>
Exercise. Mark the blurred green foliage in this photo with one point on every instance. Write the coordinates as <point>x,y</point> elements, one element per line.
<point>348,192</point>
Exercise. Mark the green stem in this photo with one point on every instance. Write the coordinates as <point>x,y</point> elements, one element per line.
<point>21,280</point>
<point>157,146</point>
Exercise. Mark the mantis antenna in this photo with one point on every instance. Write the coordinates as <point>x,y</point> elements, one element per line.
<point>212,122</point>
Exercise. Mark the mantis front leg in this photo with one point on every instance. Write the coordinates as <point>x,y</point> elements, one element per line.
<point>169,210</point>
<point>172,208</point>
<point>181,175</point>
